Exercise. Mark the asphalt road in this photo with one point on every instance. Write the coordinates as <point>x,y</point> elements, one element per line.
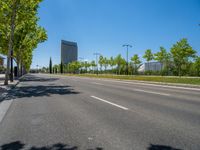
<point>71,113</point>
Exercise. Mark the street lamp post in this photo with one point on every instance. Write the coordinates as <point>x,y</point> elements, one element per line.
<point>97,54</point>
<point>127,46</point>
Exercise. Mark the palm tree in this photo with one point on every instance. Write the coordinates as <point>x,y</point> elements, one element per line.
<point>148,56</point>
<point>93,64</point>
<point>119,62</point>
<point>101,61</point>
<point>136,61</point>
<point>105,63</point>
<point>112,62</point>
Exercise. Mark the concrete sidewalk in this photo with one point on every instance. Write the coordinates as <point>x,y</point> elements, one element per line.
<point>4,88</point>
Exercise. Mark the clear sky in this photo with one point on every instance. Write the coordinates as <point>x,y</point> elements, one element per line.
<point>105,25</point>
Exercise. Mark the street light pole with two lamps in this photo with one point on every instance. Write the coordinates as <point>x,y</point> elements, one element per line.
<point>127,46</point>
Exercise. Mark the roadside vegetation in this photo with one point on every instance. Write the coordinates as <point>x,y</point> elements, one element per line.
<point>181,60</point>
<point>180,65</point>
<point>162,79</point>
<point>19,34</point>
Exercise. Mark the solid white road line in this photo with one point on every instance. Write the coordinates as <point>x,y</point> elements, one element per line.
<point>142,83</point>
<point>97,83</point>
<point>151,92</point>
<point>151,84</point>
<point>137,83</point>
<point>4,106</point>
<point>119,106</point>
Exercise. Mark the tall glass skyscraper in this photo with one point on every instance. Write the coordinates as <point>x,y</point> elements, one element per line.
<point>69,52</point>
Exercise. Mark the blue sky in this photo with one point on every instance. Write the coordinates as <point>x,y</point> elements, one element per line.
<point>105,25</point>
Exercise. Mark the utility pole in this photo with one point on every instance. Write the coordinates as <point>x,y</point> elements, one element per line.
<point>97,54</point>
<point>127,46</point>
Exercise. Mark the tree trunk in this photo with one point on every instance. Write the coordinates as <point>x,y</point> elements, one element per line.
<point>21,68</point>
<point>11,38</point>
<point>18,69</point>
<point>11,67</point>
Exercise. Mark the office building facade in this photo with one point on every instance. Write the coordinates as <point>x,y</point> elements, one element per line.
<point>69,51</point>
<point>151,66</point>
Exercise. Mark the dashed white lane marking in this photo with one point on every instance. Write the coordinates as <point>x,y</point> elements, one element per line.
<point>151,92</point>
<point>97,83</point>
<point>119,106</point>
<point>4,106</point>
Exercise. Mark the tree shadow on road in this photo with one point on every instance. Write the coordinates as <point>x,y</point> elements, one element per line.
<point>18,145</point>
<point>39,91</point>
<point>28,89</point>
<point>32,78</point>
<point>161,147</point>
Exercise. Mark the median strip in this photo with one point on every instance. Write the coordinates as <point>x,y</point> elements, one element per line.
<point>119,106</point>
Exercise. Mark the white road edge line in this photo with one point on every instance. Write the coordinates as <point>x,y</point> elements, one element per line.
<point>142,83</point>
<point>119,106</point>
<point>97,83</point>
<point>151,92</point>
<point>152,84</point>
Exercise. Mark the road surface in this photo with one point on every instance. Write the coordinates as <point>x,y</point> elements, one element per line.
<point>71,113</point>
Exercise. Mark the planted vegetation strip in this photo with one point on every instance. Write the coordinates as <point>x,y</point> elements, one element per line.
<point>164,79</point>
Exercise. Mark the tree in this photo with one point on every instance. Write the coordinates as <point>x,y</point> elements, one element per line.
<point>93,64</point>
<point>61,67</point>
<point>15,14</point>
<point>182,52</point>
<point>197,65</point>
<point>105,63</point>
<point>136,61</point>
<point>86,65</point>
<point>11,8</point>
<point>77,65</point>
<point>163,57</point>
<point>112,62</point>
<point>27,38</point>
<point>119,62</point>
<point>101,61</point>
<point>50,66</point>
<point>74,66</point>
<point>148,56</point>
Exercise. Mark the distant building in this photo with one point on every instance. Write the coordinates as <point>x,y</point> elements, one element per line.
<point>69,52</point>
<point>1,61</point>
<point>151,66</point>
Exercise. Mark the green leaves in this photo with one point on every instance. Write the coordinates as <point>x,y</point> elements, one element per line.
<point>135,59</point>
<point>27,34</point>
<point>182,52</point>
<point>148,55</point>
